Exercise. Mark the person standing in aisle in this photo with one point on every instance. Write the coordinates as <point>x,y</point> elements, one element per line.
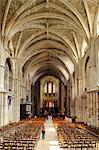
<point>43,132</point>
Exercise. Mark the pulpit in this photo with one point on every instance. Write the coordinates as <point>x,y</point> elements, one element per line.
<point>25,110</point>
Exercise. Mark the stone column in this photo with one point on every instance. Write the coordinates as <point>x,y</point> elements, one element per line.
<point>80,85</point>
<point>41,94</point>
<point>91,108</point>
<point>24,93</point>
<point>38,97</point>
<point>73,100</point>
<point>29,94</point>
<point>97,109</point>
<point>78,108</point>
<point>97,60</point>
<point>66,100</point>
<point>2,66</point>
<point>85,110</point>
<point>57,94</point>
<point>92,65</point>
<point>11,110</point>
<point>32,97</point>
<point>16,107</point>
<point>2,71</point>
<point>94,109</point>
<point>98,66</point>
<point>83,107</point>
<point>62,97</point>
<point>1,107</point>
<point>76,97</point>
<point>2,92</point>
<point>79,92</point>
<point>18,100</point>
<point>88,108</point>
<point>5,109</point>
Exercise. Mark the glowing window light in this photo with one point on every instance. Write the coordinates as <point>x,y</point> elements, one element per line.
<point>50,87</point>
<point>53,105</point>
<point>53,88</point>
<point>50,104</point>
<point>45,88</point>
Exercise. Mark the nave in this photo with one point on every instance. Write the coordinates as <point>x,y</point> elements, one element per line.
<point>59,135</point>
<point>51,140</point>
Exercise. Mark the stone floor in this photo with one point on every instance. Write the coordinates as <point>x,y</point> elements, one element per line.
<point>51,141</point>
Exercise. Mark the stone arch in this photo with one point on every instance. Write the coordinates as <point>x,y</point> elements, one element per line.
<point>52,5</point>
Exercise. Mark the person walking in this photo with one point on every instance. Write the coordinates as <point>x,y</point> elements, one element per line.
<point>43,132</point>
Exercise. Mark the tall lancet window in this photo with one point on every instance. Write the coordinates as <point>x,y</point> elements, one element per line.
<point>53,88</point>
<point>50,87</point>
<point>45,88</point>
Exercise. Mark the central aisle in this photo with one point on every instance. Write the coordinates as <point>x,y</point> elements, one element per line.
<point>51,141</point>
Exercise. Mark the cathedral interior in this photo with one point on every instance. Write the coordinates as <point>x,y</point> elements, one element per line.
<point>49,60</point>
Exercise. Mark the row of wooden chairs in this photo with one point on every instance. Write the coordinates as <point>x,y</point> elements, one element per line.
<point>71,137</point>
<point>23,136</point>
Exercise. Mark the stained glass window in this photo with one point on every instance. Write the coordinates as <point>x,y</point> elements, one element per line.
<point>53,88</point>
<point>45,88</point>
<point>50,87</point>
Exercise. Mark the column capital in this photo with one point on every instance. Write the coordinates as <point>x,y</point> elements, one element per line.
<point>6,91</point>
<point>2,91</point>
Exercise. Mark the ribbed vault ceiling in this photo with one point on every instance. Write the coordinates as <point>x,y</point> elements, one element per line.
<point>46,36</point>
